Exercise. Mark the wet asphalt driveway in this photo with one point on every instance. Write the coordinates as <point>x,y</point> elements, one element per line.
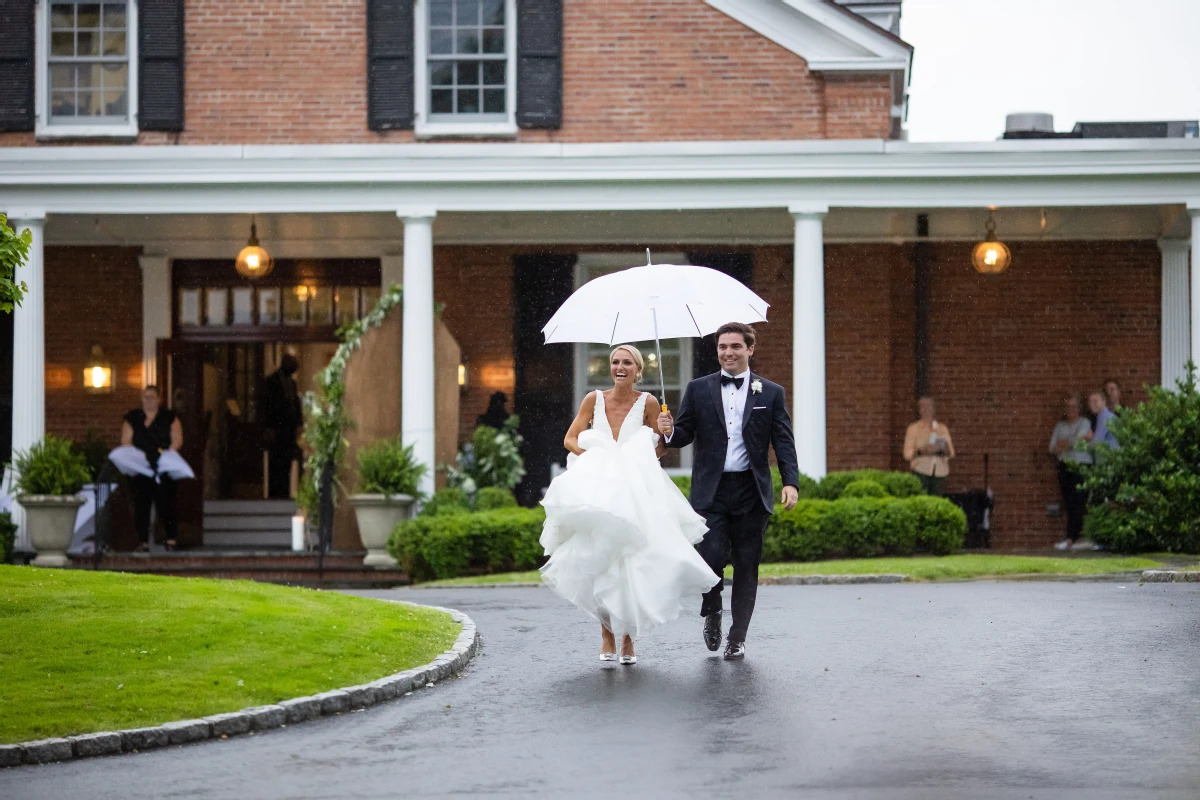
<point>970,690</point>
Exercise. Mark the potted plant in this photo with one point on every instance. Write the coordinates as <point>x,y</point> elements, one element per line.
<point>388,474</point>
<point>49,477</point>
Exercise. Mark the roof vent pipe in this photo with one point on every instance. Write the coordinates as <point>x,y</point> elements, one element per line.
<point>1029,122</point>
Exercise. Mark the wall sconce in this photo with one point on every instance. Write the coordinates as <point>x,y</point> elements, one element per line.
<point>253,261</point>
<point>97,373</point>
<point>304,292</point>
<point>462,376</point>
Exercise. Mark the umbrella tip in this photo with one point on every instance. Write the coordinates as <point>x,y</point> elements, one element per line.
<point>648,261</point>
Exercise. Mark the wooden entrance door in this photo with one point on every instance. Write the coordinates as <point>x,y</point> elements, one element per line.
<point>181,386</point>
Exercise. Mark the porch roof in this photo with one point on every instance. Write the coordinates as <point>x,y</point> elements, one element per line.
<point>598,177</point>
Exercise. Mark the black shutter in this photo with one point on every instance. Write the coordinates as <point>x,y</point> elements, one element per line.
<point>545,386</point>
<point>739,265</point>
<point>160,65</point>
<point>390,35</point>
<point>539,63</point>
<point>16,65</point>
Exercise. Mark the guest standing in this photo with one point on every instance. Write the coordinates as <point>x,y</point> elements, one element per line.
<point>1112,394</point>
<point>1100,432</point>
<point>1068,443</point>
<point>928,449</point>
<point>153,430</point>
<point>283,417</point>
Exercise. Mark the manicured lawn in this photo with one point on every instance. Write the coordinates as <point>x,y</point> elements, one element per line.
<point>924,568</point>
<point>91,651</point>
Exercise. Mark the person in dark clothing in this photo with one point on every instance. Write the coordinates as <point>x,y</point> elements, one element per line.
<point>497,413</point>
<point>153,430</point>
<point>282,418</point>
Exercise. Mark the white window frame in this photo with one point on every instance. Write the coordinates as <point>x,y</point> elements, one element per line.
<point>426,129</point>
<point>584,264</point>
<point>43,127</point>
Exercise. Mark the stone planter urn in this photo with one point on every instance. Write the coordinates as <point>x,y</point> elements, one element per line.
<point>378,516</point>
<point>50,520</point>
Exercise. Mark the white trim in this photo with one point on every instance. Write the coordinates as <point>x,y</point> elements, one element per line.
<point>156,311</point>
<point>423,127</point>
<point>1174,314</point>
<point>43,127</point>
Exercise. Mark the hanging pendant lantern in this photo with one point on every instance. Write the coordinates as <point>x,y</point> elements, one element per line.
<point>991,257</point>
<point>97,373</point>
<point>254,262</point>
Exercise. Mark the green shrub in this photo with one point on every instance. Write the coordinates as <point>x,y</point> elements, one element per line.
<point>896,484</point>
<point>807,486</point>
<point>450,545</point>
<point>450,500</point>
<point>14,250</point>
<point>864,487</point>
<point>387,467</point>
<point>8,537</point>
<point>1146,492</point>
<point>862,527</point>
<point>684,482</point>
<point>491,458</point>
<point>53,466</point>
<point>490,498</point>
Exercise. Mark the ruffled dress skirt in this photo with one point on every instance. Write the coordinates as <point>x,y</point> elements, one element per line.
<point>620,536</point>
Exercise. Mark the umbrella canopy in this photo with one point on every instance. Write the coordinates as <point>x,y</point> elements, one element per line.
<point>669,301</point>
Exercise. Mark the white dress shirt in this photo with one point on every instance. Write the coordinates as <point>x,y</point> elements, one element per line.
<point>733,399</point>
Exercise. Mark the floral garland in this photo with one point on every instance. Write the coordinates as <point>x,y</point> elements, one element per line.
<point>325,418</point>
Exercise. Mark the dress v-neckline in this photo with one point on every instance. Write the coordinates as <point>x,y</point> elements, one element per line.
<point>615,433</point>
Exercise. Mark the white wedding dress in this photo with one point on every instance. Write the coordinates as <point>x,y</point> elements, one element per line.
<point>619,533</point>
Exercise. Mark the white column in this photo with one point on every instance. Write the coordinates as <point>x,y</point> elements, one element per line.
<point>1176,327</point>
<point>1194,210</point>
<point>156,311</point>
<point>417,367</point>
<point>29,351</point>
<point>808,339</point>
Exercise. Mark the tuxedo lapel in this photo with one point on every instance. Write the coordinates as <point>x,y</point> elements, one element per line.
<point>714,391</point>
<point>749,401</point>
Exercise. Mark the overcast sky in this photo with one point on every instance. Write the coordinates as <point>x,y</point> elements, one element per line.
<point>1080,60</point>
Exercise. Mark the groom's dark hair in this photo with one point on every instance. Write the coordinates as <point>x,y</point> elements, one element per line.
<point>738,327</point>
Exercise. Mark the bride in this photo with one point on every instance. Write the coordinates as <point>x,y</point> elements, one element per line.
<point>618,532</point>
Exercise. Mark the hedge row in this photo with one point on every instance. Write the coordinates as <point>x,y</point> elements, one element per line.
<point>448,545</point>
<point>8,535</point>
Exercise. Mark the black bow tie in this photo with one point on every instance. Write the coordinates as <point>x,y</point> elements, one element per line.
<point>726,380</point>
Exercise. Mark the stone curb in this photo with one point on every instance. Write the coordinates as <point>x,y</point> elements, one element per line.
<point>828,580</point>
<point>255,718</point>
<point>1171,576</point>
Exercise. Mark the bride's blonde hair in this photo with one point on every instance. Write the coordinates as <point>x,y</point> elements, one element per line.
<point>637,359</point>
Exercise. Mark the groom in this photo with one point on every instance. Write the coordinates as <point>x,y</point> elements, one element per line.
<point>733,417</point>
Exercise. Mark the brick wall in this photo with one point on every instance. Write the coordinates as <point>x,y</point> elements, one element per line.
<point>93,296</point>
<point>634,70</point>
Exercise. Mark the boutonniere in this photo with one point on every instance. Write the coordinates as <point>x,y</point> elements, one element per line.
<point>756,386</point>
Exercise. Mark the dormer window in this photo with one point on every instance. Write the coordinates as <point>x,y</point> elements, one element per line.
<point>467,83</point>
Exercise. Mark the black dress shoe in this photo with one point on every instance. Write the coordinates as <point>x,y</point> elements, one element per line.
<point>712,631</point>
<point>734,651</point>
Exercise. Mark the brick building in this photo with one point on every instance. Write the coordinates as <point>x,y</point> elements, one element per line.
<point>490,155</point>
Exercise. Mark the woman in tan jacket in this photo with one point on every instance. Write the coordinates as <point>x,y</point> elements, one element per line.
<point>928,449</point>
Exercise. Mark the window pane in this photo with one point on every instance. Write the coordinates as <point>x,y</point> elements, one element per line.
<point>468,12</point>
<point>370,296</point>
<point>441,73</point>
<point>468,73</point>
<point>114,43</point>
<point>293,305</point>
<point>215,306</point>
<point>493,101</point>
<point>89,15</point>
<point>87,103</point>
<point>441,12</point>
<point>114,76</point>
<point>243,306</point>
<point>493,12</point>
<point>87,43</point>
<point>493,40</point>
<point>62,104</point>
<point>268,306</point>
<point>467,41</point>
<point>114,15</point>
<point>320,305</point>
<point>116,103</point>
<point>62,43</point>
<point>441,42</point>
<point>87,76</point>
<point>62,15</point>
<point>62,76</point>
<point>346,298</point>
<point>493,72</point>
<point>441,101</point>
<point>189,306</point>
<point>468,101</point>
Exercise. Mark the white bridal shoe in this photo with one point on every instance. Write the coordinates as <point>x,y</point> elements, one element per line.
<point>628,660</point>
<point>608,656</point>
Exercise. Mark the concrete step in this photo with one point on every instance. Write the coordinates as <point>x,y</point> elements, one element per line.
<point>250,507</point>
<point>263,522</point>
<point>247,538</point>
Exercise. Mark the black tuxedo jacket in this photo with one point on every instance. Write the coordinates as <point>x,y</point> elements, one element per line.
<point>765,423</point>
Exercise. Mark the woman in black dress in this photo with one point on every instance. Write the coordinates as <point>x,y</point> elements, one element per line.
<point>153,430</point>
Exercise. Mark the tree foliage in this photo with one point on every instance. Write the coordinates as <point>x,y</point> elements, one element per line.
<point>14,250</point>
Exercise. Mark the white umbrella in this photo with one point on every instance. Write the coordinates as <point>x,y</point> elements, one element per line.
<point>132,461</point>
<point>669,301</point>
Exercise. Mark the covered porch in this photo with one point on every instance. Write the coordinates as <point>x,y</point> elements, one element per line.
<point>862,248</point>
